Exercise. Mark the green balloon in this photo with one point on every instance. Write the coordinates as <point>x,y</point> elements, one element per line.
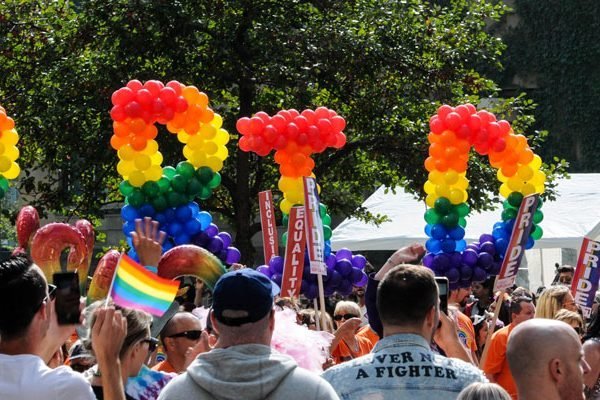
<point>151,189</point>
<point>285,219</point>
<point>509,213</point>
<point>164,184</point>
<point>136,198</point>
<point>463,209</point>
<point>327,220</point>
<point>186,169</point>
<point>169,172</point>
<point>2,192</point>
<point>506,205</point>
<point>327,232</point>
<point>443,206</point>
<point>160,203</point>
<point>205,193</point>
<point>194,187</point>
<point>215,181</point>
<point>462,222</point>
<point>515,199</point>
<point>284,238</point>
<point>431,216</point>
<point>538,216</point>
<point>322,210</point>
<point>205,174</point>
<point>537,233</point>
<point>179,183</point>
<point>450,220</point>
<point>175,199</point>
<point>125,188</point>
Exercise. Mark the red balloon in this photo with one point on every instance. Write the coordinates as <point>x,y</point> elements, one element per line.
<point>168,114</point>
<point>154,87</point>
<point>158,106</point>
<point>134,85</point>
<point>339,123</point>
<point>263,116</point>
<point>280,143</point>
<point>499,145</point>
<point>494,131</point>
<point>144,97</point>
<point>279,122</point>
<point>436,125</point>
<point>463,132</point>
<point>270,134</point>
<point>122,96</point>
<point>133,109</point>
<point>285,114</point>
<point>302,139</point>
<point>293,113</point>
<point>118,113</point>
<point>475,122</point>
<point>463,111</point>
<point>181,104</point>
<point>324,125</point>
<point>504,127</point>
<point>322,112</point>
<point>176,86</point>
<point>256,125</point>
<point>313,133</point>
<point>444,110</point>
<point>168,95</point>
<point>292,131</point>
<point>471,108</point>
<point>453,120</point>
<point>301,122</point>
<point>340,141</point>
<point>243,126</point>
<point>310,116</point>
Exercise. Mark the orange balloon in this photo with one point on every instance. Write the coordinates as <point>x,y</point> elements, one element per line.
<point>433,138</point>
<point>137,125</point>
<point>430,164</point>
<point>448,138</point>
<point>441,165</point>
<point>509,169</point>
<point>207,116</point>
<point>138,143</point>
<point>121,129</point>
<point>526,156</point>
<point>117,142</point>
<point>437,150</point>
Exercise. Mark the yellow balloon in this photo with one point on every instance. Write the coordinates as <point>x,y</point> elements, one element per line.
<point>436,177</point>
<point>429,187</point>
<point>142,162</point>
<point>457,196</point>
<point>126,153</point>
<point>2,147</point>
<point>525,172</point>
<point>13,172</point>
<point>505,191</point>
<point>462,183</point>
<point>515,183</point>
<point>294,196</point>
<point>527,189</point>
<point>442,190</point>
<point>536,163</point>
<point>196,142</point>
<point>9,137</point>
<point>217,121</point>
<point>451,177</point>
<point>214,163</point>
<point>4,164</point>
<point>151,147</point>
<point>540,189</point>
<point>207,131</point>
<point>222,137</point>
<point>124,168</point>
<point>153,173</point>
<point>137,178</point>
<point>210,148</point>
<point>430,200</point>
<point>222,153</point>
<point>183,137</point>
<point>539,178</point>
<point>501,176</point>
<point>286,184</point>
<point>198,158</point>
<point>156,158</point>
<point>12,152</point>
<point>285,206</point>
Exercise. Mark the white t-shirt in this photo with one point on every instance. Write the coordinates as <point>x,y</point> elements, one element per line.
<point>27,377</point>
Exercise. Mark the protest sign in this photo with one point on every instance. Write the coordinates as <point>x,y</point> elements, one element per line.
<point>268,225</point>
<point>585,280</point>
<point>294,254</point>
<point>315,239</point>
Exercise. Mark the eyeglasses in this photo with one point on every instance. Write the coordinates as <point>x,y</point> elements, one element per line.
<point>152,343</point>
<point>339,317</point>
<point>192,335</point>
<point>50,296</point>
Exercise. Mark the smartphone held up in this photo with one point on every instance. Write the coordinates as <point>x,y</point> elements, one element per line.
<point>67,304</point>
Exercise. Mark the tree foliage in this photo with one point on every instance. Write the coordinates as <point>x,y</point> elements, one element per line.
<point>384,65</point>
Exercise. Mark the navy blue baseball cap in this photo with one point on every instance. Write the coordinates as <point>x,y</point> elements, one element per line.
<point>243,296</point>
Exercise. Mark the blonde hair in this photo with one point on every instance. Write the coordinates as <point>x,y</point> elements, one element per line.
<point>347,307</point>
<point>569,317</point>
<point>551,300</point>
<point>483,391</point>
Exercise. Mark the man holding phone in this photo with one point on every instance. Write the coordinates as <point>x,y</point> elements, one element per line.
<point>30,334</point>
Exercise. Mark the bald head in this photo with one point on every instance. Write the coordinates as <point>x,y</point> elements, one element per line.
<point>545,353</point>
<point>182,321</point>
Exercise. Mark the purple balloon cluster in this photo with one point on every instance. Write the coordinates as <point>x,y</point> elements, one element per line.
<point>475,264</point>
<point>218,243</point>
<point>344,271</point>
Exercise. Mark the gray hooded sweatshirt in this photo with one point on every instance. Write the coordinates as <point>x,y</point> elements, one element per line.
<point>250,371</point>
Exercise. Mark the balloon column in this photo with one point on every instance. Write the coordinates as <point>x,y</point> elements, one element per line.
<point>295,137</point>
<point>167,194</point>
<point>453,132</point>
<point>9,137</point>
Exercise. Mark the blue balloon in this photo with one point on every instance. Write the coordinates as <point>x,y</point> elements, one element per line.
<point>205,219</point>
<point>448,245</point>
<point>183,213</point>
<point>129,213</point>
<point>461,245</point>
<point>128,227</point>
<point>327,250</point>
<point>160,218</point>
<point>457,233</point>
<point>192,227</point>
<point>501,246</point>
<point>428,230</point>
<point>131,253</point>
<point>194,207</point>
<point>174,229</point>
<point>169,214</point>
<point>147,211</point>
<point>167,245</point>
<point>499,233</point>
<point>438,232</point>
<point>433,246</point>
<point>182,238</point>
<point>530,243</point>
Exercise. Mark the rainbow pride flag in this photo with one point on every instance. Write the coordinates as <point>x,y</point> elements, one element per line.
<point>135,287</point>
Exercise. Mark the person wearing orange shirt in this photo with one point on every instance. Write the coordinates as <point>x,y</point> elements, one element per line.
<point>347,344</point>
<point>495,365</point>
<point>181,333</point>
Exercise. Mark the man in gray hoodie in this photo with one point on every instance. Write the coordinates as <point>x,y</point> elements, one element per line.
<point>242,364</point>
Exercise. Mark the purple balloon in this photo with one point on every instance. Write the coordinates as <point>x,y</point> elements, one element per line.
<point>212,230</point>
<point>330,260</point>
<point>356,275</point>
<point>201,239</point>
<point>277,279</point>
<point>428,260</point>
<point>233,255</point>
<point>276,264</point>
<point>226,238</point>
<point>495,268</point>
<point>469,257</point>
<point>344,267</point>
<point>311,291</point>
<point>486,238</point>
<point>488,247</point>
<point>485,259</point>
<point>345,287</point>
<point>363,280</point>
<point>334,278</point>
<point>215,245</point>
<point>359,261</point>
<point>222,255</point>
<point>453,275</point>
<point>479,275</point>
<point>343,253</point>
<point>263,269</point>
<point>441,262</point>
<point>455,259</point>
<point>466,272</point>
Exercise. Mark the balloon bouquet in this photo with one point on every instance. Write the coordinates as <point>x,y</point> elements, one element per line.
<point>9,137</point>
<point>454,131</point>
<point>294,137</point>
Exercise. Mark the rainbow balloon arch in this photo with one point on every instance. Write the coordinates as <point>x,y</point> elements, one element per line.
<point>454,131</point>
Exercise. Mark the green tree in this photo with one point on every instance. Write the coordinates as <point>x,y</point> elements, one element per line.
<point>384,65</point>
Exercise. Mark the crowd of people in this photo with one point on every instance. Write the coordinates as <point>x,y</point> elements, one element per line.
<point>386,342</point>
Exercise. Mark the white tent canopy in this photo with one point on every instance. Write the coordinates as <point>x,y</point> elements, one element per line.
<point>567,220</point>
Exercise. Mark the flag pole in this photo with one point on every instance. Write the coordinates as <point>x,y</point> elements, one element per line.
<point>112,282</point>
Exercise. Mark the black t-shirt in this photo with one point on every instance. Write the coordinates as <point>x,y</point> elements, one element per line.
<point>100,393</point>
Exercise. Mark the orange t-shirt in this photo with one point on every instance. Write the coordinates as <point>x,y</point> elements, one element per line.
<point>164,366</point>
<point>343,353</point>
<point>496,364</point>
<point>466,332</point>
<point>367,332</point>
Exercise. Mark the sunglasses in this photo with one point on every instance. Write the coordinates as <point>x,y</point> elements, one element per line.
<point>50,296</point>
<point>152,343</point>
<point>339,317</point>
<point>192,335</point>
